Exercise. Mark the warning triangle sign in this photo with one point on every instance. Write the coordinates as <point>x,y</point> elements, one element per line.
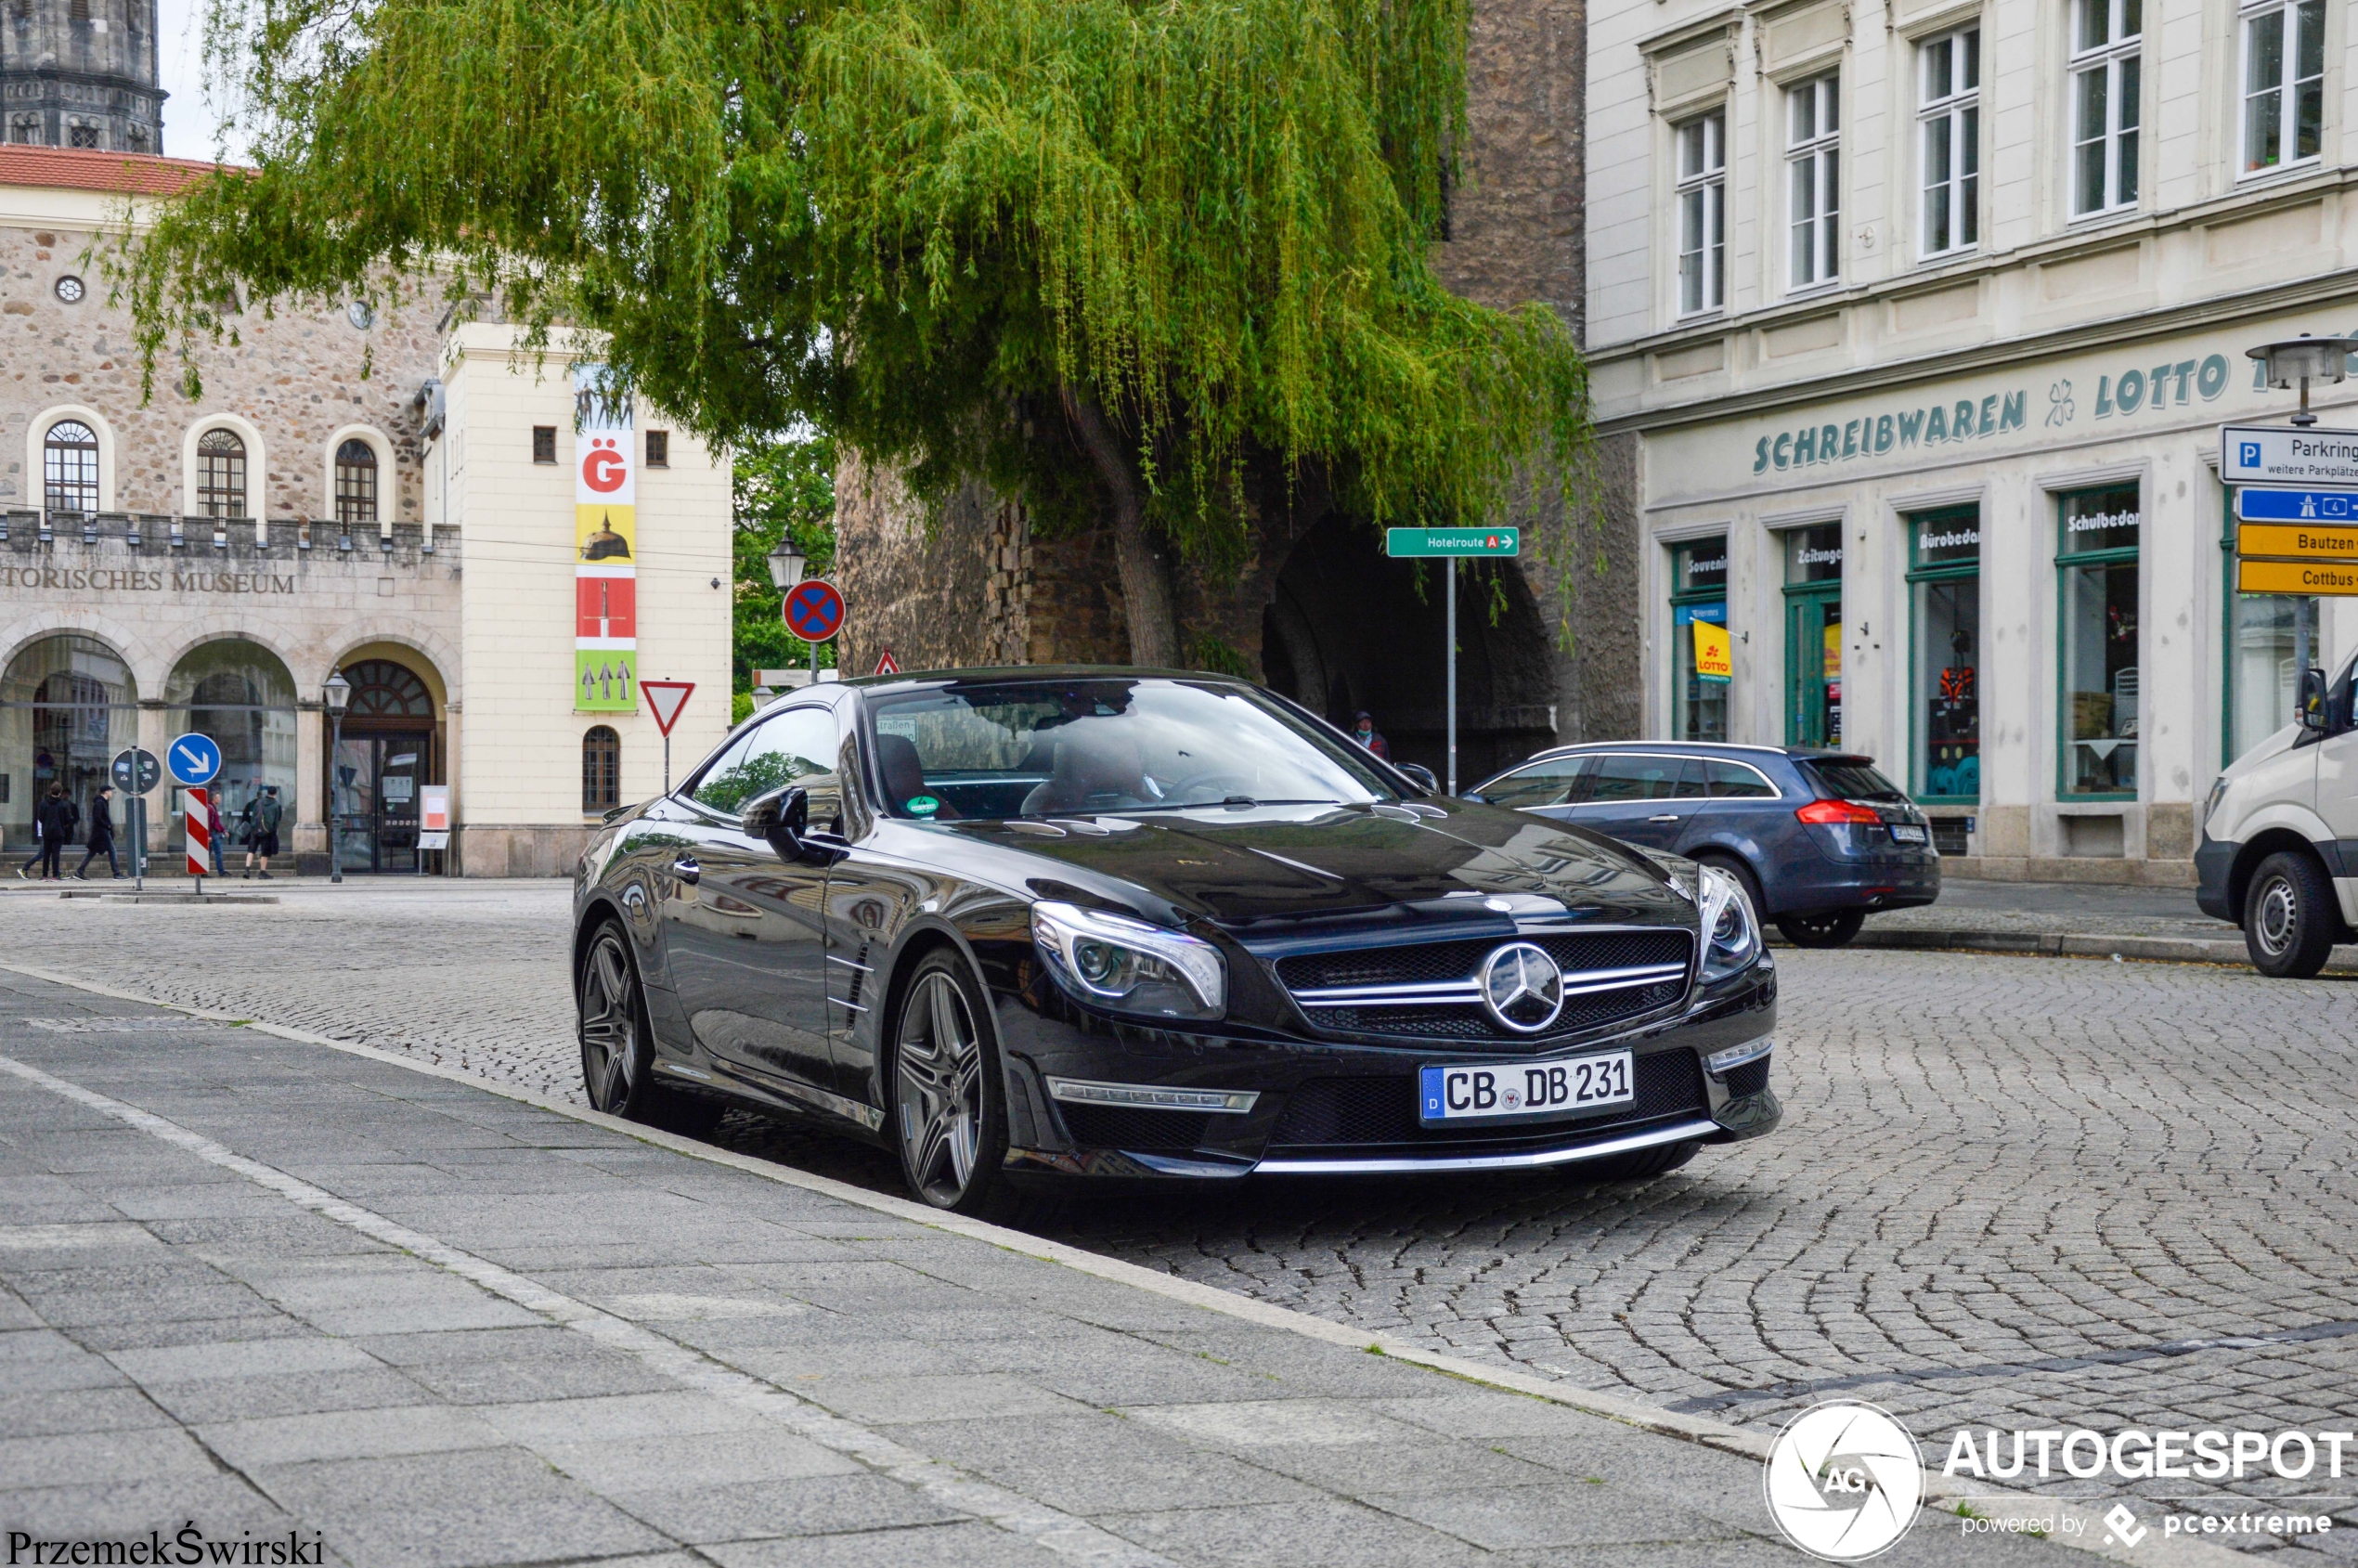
<point>666,697</point>
<point>887,665</point>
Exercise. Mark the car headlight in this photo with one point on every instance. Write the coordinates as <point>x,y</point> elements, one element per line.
<point>2211,806</point>
<point>1730,940</point>
<point>1121,963</point>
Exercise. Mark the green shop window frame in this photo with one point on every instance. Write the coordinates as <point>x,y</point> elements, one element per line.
<point>1694,598</point>
<point>2067,561</point>
<point>1952,571</point>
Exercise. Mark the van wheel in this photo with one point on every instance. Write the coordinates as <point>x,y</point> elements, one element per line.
<point>1821,930</point>
<point>2290,917</point>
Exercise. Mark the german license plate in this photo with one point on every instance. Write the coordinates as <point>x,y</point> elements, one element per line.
<point>1480,1091</point>
<point>1907,833</point>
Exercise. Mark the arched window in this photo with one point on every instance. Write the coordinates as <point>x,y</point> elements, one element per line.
<point>242,695</point>
<point>68,703</point>
<point>69,467</point>
<point>221,475</point>
<point>600,770</point>
<point>384,689</point>
<point>356,482</point>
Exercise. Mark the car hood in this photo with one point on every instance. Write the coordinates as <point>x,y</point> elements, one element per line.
<point>1267,868</point>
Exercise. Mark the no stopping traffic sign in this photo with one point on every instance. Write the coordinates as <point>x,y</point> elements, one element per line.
<point>813,611</point>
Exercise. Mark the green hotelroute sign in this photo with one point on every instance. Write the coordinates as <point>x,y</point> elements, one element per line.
<point>1453,542</point>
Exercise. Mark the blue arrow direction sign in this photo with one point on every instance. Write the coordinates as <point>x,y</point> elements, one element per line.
<point>2295,506</point>
<point>194,759</point>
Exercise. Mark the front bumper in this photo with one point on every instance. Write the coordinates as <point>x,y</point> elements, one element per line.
<point>2214,862</point>
<point>1329,1108</point>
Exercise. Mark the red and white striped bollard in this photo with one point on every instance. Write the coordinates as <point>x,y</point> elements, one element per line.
<point>200,834</point>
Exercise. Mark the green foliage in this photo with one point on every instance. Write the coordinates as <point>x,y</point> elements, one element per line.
<point>926,226</point>
<point>1217,654</point>
<point>782,487</point>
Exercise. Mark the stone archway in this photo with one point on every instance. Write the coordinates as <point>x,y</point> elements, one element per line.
<point>1346,628</point>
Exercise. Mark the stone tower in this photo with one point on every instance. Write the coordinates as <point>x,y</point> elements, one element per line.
<point>81,73</point>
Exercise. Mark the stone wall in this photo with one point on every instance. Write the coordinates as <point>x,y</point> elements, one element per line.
<point>295,377</point>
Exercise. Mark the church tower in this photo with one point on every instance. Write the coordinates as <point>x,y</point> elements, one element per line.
<point>81,73</point>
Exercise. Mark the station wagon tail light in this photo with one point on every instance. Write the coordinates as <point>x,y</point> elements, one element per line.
<point>1830,812</point>
<point>1125,964</point>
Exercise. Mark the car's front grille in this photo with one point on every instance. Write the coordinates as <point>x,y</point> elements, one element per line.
<point>1332,1112</point>
<point>1129,1127</point>
<point>1749,1078</point>
<point>1430,992</point>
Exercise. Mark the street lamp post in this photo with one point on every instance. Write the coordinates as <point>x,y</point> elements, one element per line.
<point>2296,362</point>
<point>786,566</point>
<point>334,693</point>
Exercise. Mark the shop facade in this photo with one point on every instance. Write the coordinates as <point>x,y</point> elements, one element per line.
<point>2013,587</point>
<point>393,497</point>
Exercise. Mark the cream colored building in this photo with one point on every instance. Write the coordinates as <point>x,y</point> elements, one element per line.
<point>172,565</point>
<point>1916,321</point>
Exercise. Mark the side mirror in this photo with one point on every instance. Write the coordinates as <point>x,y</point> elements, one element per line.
<point>781,817</point>
<point>1422,774</point>
<point>2310,711</point>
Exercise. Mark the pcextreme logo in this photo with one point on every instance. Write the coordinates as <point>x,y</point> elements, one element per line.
<point>1843,1480</point>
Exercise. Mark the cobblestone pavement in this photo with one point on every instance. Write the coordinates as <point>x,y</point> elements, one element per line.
<point>2010,1192</point>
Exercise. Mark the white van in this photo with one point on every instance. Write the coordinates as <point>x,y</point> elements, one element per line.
<point>2279,850</point>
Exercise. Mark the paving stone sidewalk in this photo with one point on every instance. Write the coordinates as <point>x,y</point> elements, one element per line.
<point>276,1291</point>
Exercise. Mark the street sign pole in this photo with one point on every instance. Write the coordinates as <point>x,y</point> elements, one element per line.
<point>666,698</point>
<point>138,843</point>
<point>1451,632</point>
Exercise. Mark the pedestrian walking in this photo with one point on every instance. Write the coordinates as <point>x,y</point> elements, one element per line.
<point>1363,730</point>
<point>263,814</point>
<point>53,820</point>
<point>100,840</point>
<point>213,828</point>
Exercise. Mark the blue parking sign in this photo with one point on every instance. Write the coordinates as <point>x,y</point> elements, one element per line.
<point>193,760</point>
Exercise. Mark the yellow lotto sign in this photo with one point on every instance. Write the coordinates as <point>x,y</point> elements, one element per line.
<point>2296,577</point>
<point>1715,659</point>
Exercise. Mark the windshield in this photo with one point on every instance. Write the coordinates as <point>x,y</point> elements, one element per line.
<point>1032,748</point>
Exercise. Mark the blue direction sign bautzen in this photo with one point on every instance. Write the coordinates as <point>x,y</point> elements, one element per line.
<point>814,611</point>
<point>194,759</point>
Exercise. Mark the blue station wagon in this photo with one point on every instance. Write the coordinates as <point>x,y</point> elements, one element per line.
<point>1818,838</point>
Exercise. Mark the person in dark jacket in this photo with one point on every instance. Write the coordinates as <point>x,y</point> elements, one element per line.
<point>53,820</point>
<point>101,837</point>
<point>1363,730</point>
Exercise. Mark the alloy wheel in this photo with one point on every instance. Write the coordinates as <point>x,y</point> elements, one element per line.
<point>609,1024</point>
<point>938,1065</point>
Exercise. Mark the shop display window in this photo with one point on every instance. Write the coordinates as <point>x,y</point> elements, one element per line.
<point>1702,660</point>
<point>1943,590</point>
<point>2261,678</point>
<point>2099,640</point>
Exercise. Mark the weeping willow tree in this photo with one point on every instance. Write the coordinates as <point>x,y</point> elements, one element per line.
<point>1118,258</point>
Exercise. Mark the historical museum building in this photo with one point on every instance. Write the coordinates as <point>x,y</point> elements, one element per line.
<point>409,499</point>
<point>1912,323</point>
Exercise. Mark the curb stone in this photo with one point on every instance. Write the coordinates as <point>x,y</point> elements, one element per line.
<point>1943,1496</point>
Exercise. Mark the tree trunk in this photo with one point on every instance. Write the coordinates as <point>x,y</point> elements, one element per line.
<point>1138,556</point>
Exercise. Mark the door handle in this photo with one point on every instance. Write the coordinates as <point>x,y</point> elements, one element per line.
<point>1666,816</point>
<point>686,869</point>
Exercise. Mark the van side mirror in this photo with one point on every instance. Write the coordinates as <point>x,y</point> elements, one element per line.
<point>2311,712</point>
<point>782,818</point>
<point>1422,774</point>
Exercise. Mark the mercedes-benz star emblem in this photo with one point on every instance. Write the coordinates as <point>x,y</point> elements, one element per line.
<point>1522,988</point>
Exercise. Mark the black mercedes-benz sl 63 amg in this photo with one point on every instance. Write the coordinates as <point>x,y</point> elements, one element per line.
<point>1031,926</point>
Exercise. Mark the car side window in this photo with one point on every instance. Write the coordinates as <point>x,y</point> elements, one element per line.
<point>1624,778</point>
<point>1542,783</point>
<point>1691,781</point>
<point>1734,780</point>
<point>797,746</point>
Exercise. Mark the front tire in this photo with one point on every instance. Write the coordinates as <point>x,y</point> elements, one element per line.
<point>617,1044</point>
<point>2290,917</point>
<point>1821,930</point>
<point>950,1121</point>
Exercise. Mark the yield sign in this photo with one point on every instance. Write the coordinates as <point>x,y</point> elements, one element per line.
<point>666,697</point>
<point>887,665</point>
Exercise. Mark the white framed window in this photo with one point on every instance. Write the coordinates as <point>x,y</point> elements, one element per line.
<point>1813,181</point>
<point>1949,141</point>
<point>2283,83</point>
<point>1702,213</point>
<point>2106,40</point>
